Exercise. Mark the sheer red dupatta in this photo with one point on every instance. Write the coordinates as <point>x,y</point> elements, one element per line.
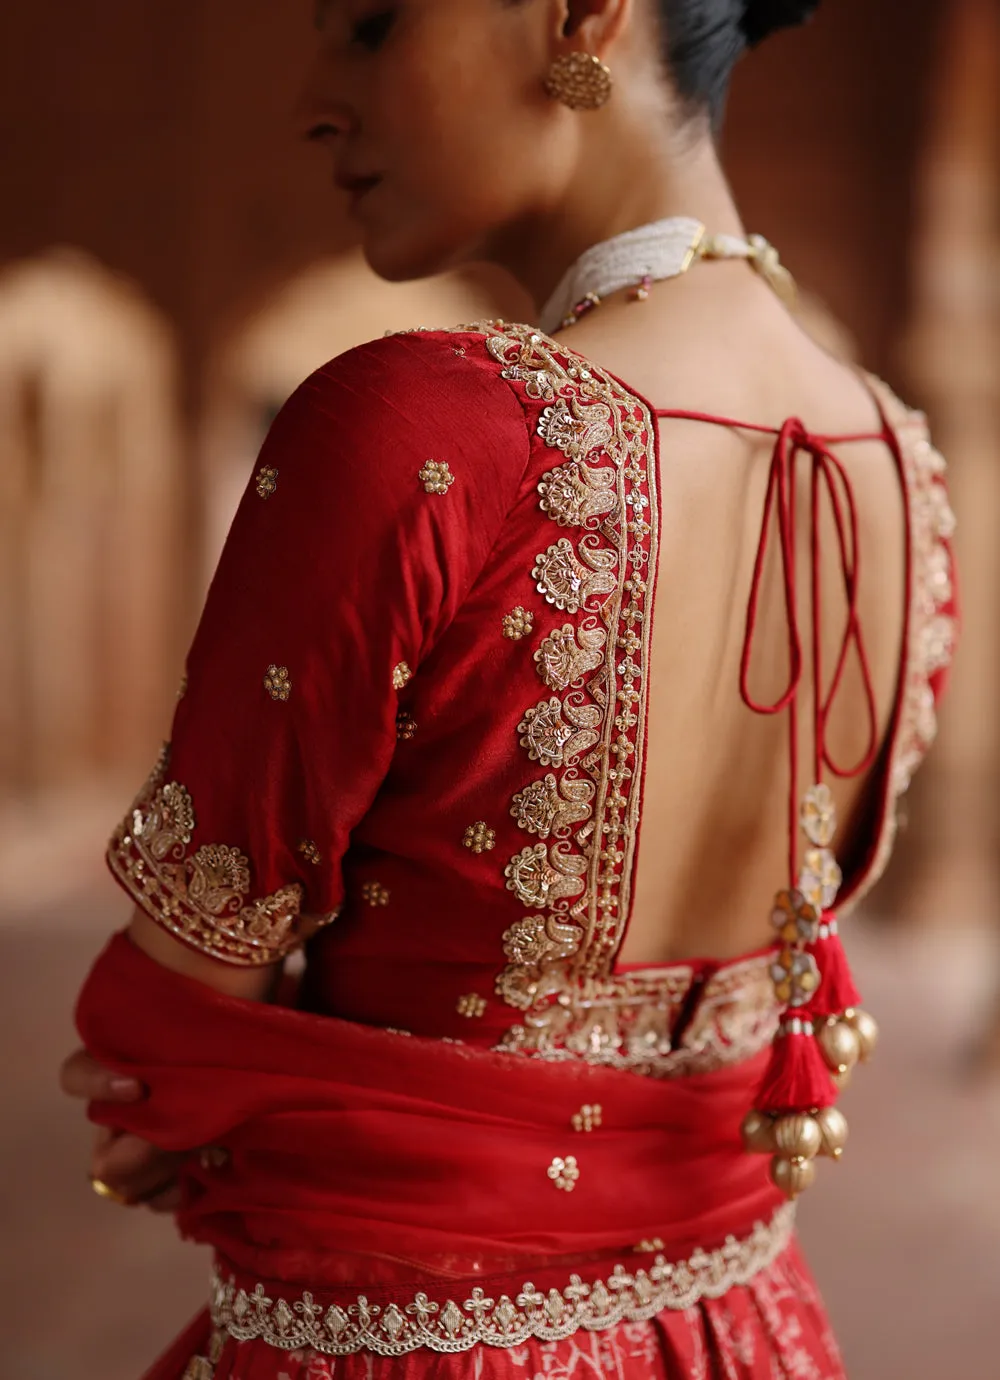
<point>351,1149</point>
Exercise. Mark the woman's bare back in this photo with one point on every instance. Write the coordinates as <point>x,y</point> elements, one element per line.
<point>714,829</point>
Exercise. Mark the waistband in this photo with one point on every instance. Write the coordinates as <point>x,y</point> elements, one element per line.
<point>499,1311</point>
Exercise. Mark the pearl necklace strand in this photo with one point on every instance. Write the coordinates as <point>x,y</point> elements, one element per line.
<point>651,254</point>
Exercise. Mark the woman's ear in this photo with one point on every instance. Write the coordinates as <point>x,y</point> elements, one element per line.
<point>593,25</point>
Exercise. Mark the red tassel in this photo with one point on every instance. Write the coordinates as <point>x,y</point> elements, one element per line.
<point>797,1078</point>
<point>837,992</point>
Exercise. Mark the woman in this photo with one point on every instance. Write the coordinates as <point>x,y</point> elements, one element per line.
<point>494,602</point>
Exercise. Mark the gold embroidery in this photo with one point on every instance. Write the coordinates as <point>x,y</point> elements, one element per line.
<point>401,673</point>
<point>575,430</point>
<point>568,653</point>
<point>540,875</point>
<point>478,837</point>
<point>518,623</point>
<point>406,726</point>
<point>818,816</point>
<point>552,741</point>
<point>471,1005</point>
<point>576,495</point>
<point>930,632</point>
<point>310,852</point>
<point>654,1243</point>
<point>564,1172</point>
<point>375,894</point>
<point>397,1329</point>
<point>548,806</point>
<point>267,481</point>
<point>276,682</point>
<point>436,477</point>
<point>569,579</point>
<point>588,1117</point>
<point>183,687</point>
<point>202,898</point>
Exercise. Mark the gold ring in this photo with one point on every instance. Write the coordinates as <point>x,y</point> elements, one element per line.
<point>104,1190</point>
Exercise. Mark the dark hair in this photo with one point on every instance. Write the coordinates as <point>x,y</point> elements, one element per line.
<point>703,40</point>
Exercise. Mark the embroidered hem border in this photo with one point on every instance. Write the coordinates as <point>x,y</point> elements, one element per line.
<point>395,1330</point>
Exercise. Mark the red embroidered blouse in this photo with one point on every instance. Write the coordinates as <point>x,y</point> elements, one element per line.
<point>415,707</point>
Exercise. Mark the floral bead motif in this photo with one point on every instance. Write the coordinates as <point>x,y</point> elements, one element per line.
<point>471,1005</point>
<point>564,1172</point>
<point>518,623</point>
<point>588,1118</point>
<point>277,683</point>
<point>267,481</point>
<point>794,919</point>
<point>820,878</point>
<point>436,477</point>
<point>795,976</point>
<point>375,894</point>
<point>406,726</point>
<point>401,673</point>
<point>479,837</point>
<point>310,852</point>
<point>818,816</point>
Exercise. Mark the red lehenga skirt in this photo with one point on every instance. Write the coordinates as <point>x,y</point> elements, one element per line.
<point>383,1205</point>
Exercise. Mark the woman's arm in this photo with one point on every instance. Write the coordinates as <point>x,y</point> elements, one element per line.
<point>250,984</point>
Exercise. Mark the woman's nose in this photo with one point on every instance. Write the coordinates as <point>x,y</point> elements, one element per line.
<point>319,112</point>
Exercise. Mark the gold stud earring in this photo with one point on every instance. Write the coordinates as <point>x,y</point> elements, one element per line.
<point>580,81</point>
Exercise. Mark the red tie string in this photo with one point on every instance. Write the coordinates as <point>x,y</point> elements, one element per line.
<point>780,512</point>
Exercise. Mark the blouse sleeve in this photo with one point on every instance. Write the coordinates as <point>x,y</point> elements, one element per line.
<point>378,494</point>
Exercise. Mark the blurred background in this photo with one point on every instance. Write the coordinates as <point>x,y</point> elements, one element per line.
<point>172,263</point>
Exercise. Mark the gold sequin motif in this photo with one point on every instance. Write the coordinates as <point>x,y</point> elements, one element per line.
<point>518,623</point>
<point>479,837</point>
<point>471,1005</point>
<point>310,852</point>
<point>277,683</point>
<point>564,1172</point>
<point>375,894</point>
<point>588,1118</point>
<point>267,481</point>
<point>401,674</point>
<point>436,477</point>
<point>406,726</point>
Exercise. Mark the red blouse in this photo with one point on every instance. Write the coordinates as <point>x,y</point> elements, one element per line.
<point>415,708</point>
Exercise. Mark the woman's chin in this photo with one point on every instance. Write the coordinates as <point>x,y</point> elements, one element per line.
<point>399,257</point>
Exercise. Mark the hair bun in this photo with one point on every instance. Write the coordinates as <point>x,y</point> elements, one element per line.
<point>763,17</point>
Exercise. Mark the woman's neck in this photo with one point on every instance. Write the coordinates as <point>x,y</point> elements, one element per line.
<point>608,197</point>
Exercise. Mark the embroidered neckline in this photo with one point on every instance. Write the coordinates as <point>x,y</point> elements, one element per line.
<point>396,1329</point>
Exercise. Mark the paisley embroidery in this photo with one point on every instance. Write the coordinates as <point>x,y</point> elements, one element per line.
<point>574,494</point>
<point>549,806</point>
<point>555,733</point>
<point>568,653</point>
<point>931,632</point>
<point>202,898</point>
<point>540,876</point>
<point>568,581</point>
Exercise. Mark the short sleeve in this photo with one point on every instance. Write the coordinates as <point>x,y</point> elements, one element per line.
<point>378,494</point>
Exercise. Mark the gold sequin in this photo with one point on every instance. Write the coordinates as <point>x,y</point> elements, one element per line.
<point>646,1247</point>
<point>277,683</point>
<point>518,623</point>
<point>401,673</point>
<point>375,894</point>
<point>564,1172</point>
<point>471,1005</point>
<point>406,726</point>
<point>479,837</point>
<point>588,1117</point>
<point>203,897</point>
<point>267,481</point>
<point>310,852</point>
<point>436,477</point>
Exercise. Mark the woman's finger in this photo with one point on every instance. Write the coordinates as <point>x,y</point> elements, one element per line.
<point>167,1199</point>
<point>82,1076</point>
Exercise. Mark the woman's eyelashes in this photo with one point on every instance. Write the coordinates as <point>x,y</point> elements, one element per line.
<point>372,31</point>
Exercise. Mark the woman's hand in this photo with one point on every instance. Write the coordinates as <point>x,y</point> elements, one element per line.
<point>133,1168</point>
